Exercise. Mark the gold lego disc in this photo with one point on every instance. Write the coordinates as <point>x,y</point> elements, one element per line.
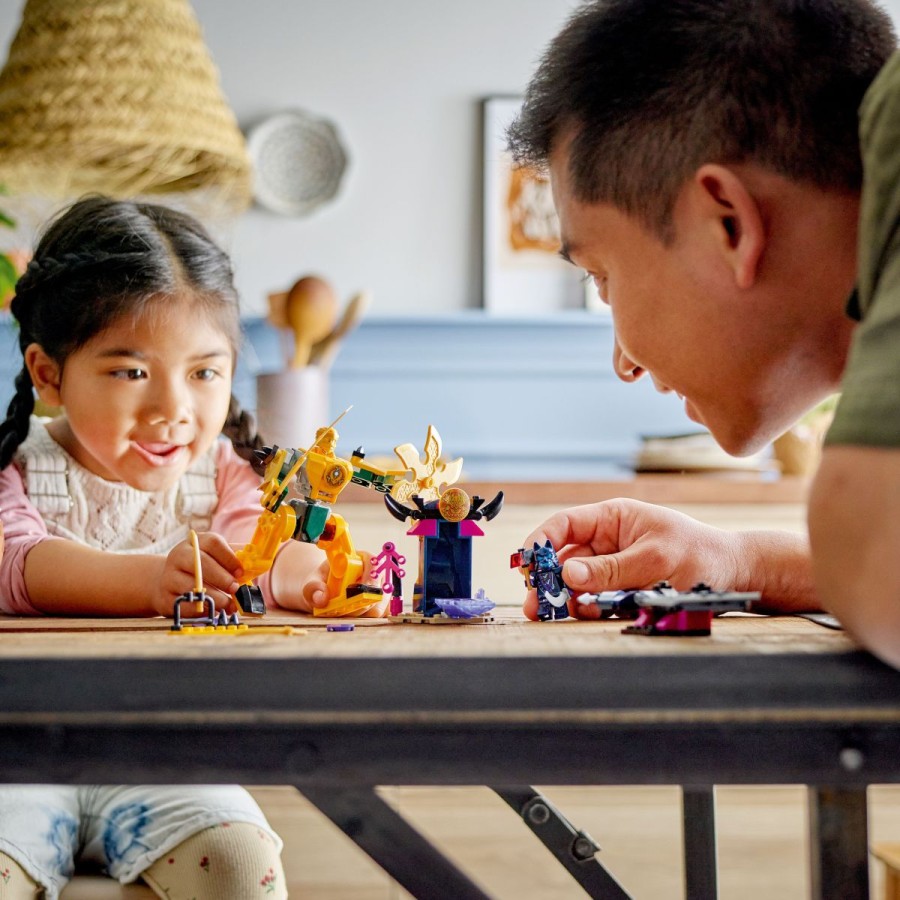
<point>454,504</point>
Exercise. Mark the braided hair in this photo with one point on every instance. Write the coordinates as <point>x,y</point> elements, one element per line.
<point>103,259</point>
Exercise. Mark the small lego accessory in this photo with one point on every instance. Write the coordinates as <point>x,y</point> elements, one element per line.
<point>466,607</point>
<point>345,627</point>
<point>428,473</point>
<point>388,563</point>
<point>212,622</point>
<point>542,570</point>
<point>662,610</point>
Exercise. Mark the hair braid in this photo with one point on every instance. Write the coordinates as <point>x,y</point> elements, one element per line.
<point>14,429</point>
<point>240,429</point>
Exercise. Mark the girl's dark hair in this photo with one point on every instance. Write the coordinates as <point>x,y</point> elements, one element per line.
<point>650,90</point>
<point>102,259</point>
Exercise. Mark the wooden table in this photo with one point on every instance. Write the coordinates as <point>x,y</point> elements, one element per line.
<point>771,701</point>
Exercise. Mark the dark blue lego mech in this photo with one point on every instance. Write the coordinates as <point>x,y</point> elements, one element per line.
<point>543,571</point>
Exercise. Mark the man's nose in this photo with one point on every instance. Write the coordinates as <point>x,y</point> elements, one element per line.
<point>624,367</point>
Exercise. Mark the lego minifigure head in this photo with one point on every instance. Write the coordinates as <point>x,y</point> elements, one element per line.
<point>326,441</point>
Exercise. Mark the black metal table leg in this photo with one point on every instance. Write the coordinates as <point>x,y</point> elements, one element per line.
<point>573,848</point>
<point>699,826</point>
<point>838,843</point>
<point>407,856</point>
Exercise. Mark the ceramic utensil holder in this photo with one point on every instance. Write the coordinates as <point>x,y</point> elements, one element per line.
<point>292,405</point>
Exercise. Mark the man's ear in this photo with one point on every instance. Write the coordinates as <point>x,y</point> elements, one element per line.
<point>736,219</point>
<point>46,375</point>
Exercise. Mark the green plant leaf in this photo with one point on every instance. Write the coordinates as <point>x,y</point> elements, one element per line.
<point>8,275</point>
<point>6,220</point>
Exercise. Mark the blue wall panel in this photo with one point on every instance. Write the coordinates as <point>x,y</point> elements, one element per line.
<point>518,398</point>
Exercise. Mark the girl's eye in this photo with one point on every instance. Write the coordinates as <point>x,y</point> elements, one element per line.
<point>206,374</point>
<point>129,374</point>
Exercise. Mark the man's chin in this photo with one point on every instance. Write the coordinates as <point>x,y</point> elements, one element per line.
<point>739,439</point>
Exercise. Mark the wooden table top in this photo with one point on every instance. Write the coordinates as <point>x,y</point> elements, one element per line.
<point>510,636</point>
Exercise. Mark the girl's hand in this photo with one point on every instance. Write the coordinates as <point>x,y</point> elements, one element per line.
<point>221,571</point>
<point>626,544</point>
<point>314,595</point>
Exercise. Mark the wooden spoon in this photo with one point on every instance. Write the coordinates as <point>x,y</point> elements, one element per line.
<point>324,351</point>
<point>310,310</point>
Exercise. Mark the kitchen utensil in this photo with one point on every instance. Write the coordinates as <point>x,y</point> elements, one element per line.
<point>310,310</point>
<point>324,351</point>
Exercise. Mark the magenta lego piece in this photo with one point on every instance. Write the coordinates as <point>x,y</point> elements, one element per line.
<point>682,622</point>
<point>425,528</point>
<point>469,528</point>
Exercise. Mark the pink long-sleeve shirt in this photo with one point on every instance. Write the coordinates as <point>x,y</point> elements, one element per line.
<point>234,517</point>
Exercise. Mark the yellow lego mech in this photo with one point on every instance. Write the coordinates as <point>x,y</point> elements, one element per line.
<point>320,476</point>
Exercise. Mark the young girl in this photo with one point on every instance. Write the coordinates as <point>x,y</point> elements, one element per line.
<point>129,323</point>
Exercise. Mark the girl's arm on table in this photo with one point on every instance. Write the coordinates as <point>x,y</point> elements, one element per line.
<point>40,573</point>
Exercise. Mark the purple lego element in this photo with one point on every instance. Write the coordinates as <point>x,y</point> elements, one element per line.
<point>464,607</point>
<point>347,627</point>
<point>211,618</point>
<point>468,528</point>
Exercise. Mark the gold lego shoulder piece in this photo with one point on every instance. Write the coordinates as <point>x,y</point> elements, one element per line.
<point>428,473</point>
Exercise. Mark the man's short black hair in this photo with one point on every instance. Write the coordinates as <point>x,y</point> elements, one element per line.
<point>652,89</point>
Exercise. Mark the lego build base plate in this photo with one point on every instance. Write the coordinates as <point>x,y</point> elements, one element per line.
<point>419,619</point>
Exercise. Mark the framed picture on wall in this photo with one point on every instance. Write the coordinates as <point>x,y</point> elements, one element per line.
<point>523,272</point>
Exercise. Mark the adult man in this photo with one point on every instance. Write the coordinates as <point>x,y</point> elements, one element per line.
<point>706,167</point>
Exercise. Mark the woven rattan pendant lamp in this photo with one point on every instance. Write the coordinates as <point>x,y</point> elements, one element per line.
<point>118,97</point>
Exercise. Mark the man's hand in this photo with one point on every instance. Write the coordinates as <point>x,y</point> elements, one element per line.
<point>221,569</point>
<point>624,544</point>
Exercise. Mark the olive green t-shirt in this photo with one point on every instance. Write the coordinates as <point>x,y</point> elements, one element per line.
<point>868,413</point>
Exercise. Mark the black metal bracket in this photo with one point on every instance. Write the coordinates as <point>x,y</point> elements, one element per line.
<point>573,848</point>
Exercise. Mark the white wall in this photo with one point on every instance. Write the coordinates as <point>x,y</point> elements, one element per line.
<point>402,80</point>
